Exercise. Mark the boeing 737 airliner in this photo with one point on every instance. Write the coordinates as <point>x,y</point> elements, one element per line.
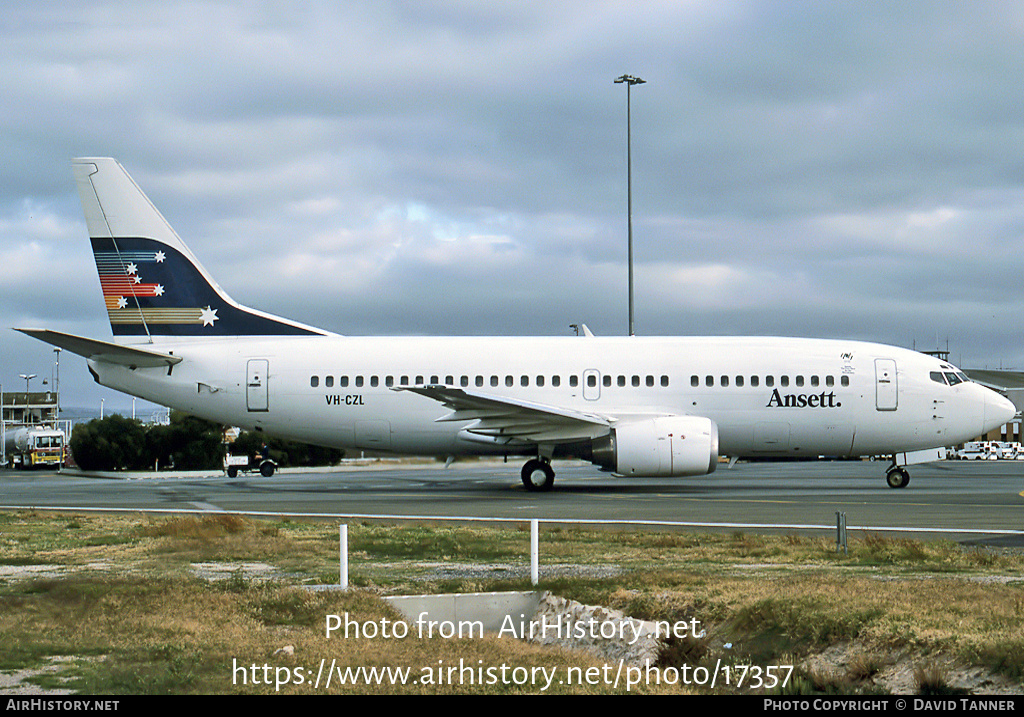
<point>635,406</point>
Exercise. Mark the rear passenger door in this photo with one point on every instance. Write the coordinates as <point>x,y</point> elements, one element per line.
<point>257,396</point>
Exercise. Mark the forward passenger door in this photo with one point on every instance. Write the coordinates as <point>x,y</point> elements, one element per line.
<point>886,387</point>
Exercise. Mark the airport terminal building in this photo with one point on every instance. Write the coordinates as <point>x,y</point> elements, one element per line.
<point>29,409</point>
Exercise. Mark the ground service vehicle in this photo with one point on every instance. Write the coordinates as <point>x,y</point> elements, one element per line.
<point>233,465</point>
<point>34,446</point>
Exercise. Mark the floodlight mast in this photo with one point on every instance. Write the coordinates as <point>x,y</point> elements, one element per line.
<point>629,81</point>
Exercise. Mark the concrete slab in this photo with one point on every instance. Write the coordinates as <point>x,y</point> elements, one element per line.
<point>446,614</point>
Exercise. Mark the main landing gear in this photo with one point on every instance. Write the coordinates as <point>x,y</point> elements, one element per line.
<point>538,475</point>
<point>897,476</point>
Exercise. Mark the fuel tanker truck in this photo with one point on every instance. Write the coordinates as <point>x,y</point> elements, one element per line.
<point>34,446</point>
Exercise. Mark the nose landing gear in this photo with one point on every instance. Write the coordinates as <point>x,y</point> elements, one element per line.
<point>897,476</point>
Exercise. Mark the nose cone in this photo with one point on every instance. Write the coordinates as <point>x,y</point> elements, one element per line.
<point>998,410</point>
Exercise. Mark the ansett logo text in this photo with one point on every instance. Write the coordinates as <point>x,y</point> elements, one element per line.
<point>803,400</point>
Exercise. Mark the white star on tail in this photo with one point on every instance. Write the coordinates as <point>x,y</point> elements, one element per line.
<point>208,316</point>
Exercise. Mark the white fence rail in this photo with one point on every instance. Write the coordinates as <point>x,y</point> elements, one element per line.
<point>840,527</point>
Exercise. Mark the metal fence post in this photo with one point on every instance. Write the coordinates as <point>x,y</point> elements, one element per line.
<point>343,553</point>
<point>534,552</point>
<point>841,533</point>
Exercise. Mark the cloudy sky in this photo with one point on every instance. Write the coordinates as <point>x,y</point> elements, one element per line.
<point>442,167</point>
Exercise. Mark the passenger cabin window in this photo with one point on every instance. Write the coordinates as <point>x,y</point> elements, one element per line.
<point>314,381</point>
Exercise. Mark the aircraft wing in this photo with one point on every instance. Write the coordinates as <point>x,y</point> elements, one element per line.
<point>97,350</point>
<point>500,417</point>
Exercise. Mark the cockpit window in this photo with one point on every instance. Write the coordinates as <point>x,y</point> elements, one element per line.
<point>949,377</point>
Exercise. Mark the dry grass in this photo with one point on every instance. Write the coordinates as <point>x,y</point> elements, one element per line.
<point>124,592</point>
<point>185,637</point>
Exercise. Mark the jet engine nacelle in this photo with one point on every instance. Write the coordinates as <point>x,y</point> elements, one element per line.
<point>664,446</point>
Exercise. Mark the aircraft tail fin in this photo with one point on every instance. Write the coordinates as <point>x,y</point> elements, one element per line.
<point>153,286</point>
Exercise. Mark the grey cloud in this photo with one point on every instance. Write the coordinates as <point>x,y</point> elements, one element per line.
<point>838,168</point>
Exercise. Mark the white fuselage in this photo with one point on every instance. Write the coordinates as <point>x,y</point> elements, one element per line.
<point>768,396</point>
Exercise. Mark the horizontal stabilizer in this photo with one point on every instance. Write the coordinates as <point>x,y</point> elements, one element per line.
<point>104,351</point>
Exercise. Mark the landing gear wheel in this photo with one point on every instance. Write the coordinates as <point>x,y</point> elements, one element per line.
<point>897,477</point>
<point>538,475</point>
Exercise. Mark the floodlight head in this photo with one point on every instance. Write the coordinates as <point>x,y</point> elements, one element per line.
<point>629,79</point>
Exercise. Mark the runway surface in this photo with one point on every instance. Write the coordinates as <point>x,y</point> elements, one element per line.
<point>957,500</point>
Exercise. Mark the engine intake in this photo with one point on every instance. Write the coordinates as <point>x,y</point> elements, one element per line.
<point>657,447</point>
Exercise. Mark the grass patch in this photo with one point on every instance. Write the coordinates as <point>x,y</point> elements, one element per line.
<point>131,610</point>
